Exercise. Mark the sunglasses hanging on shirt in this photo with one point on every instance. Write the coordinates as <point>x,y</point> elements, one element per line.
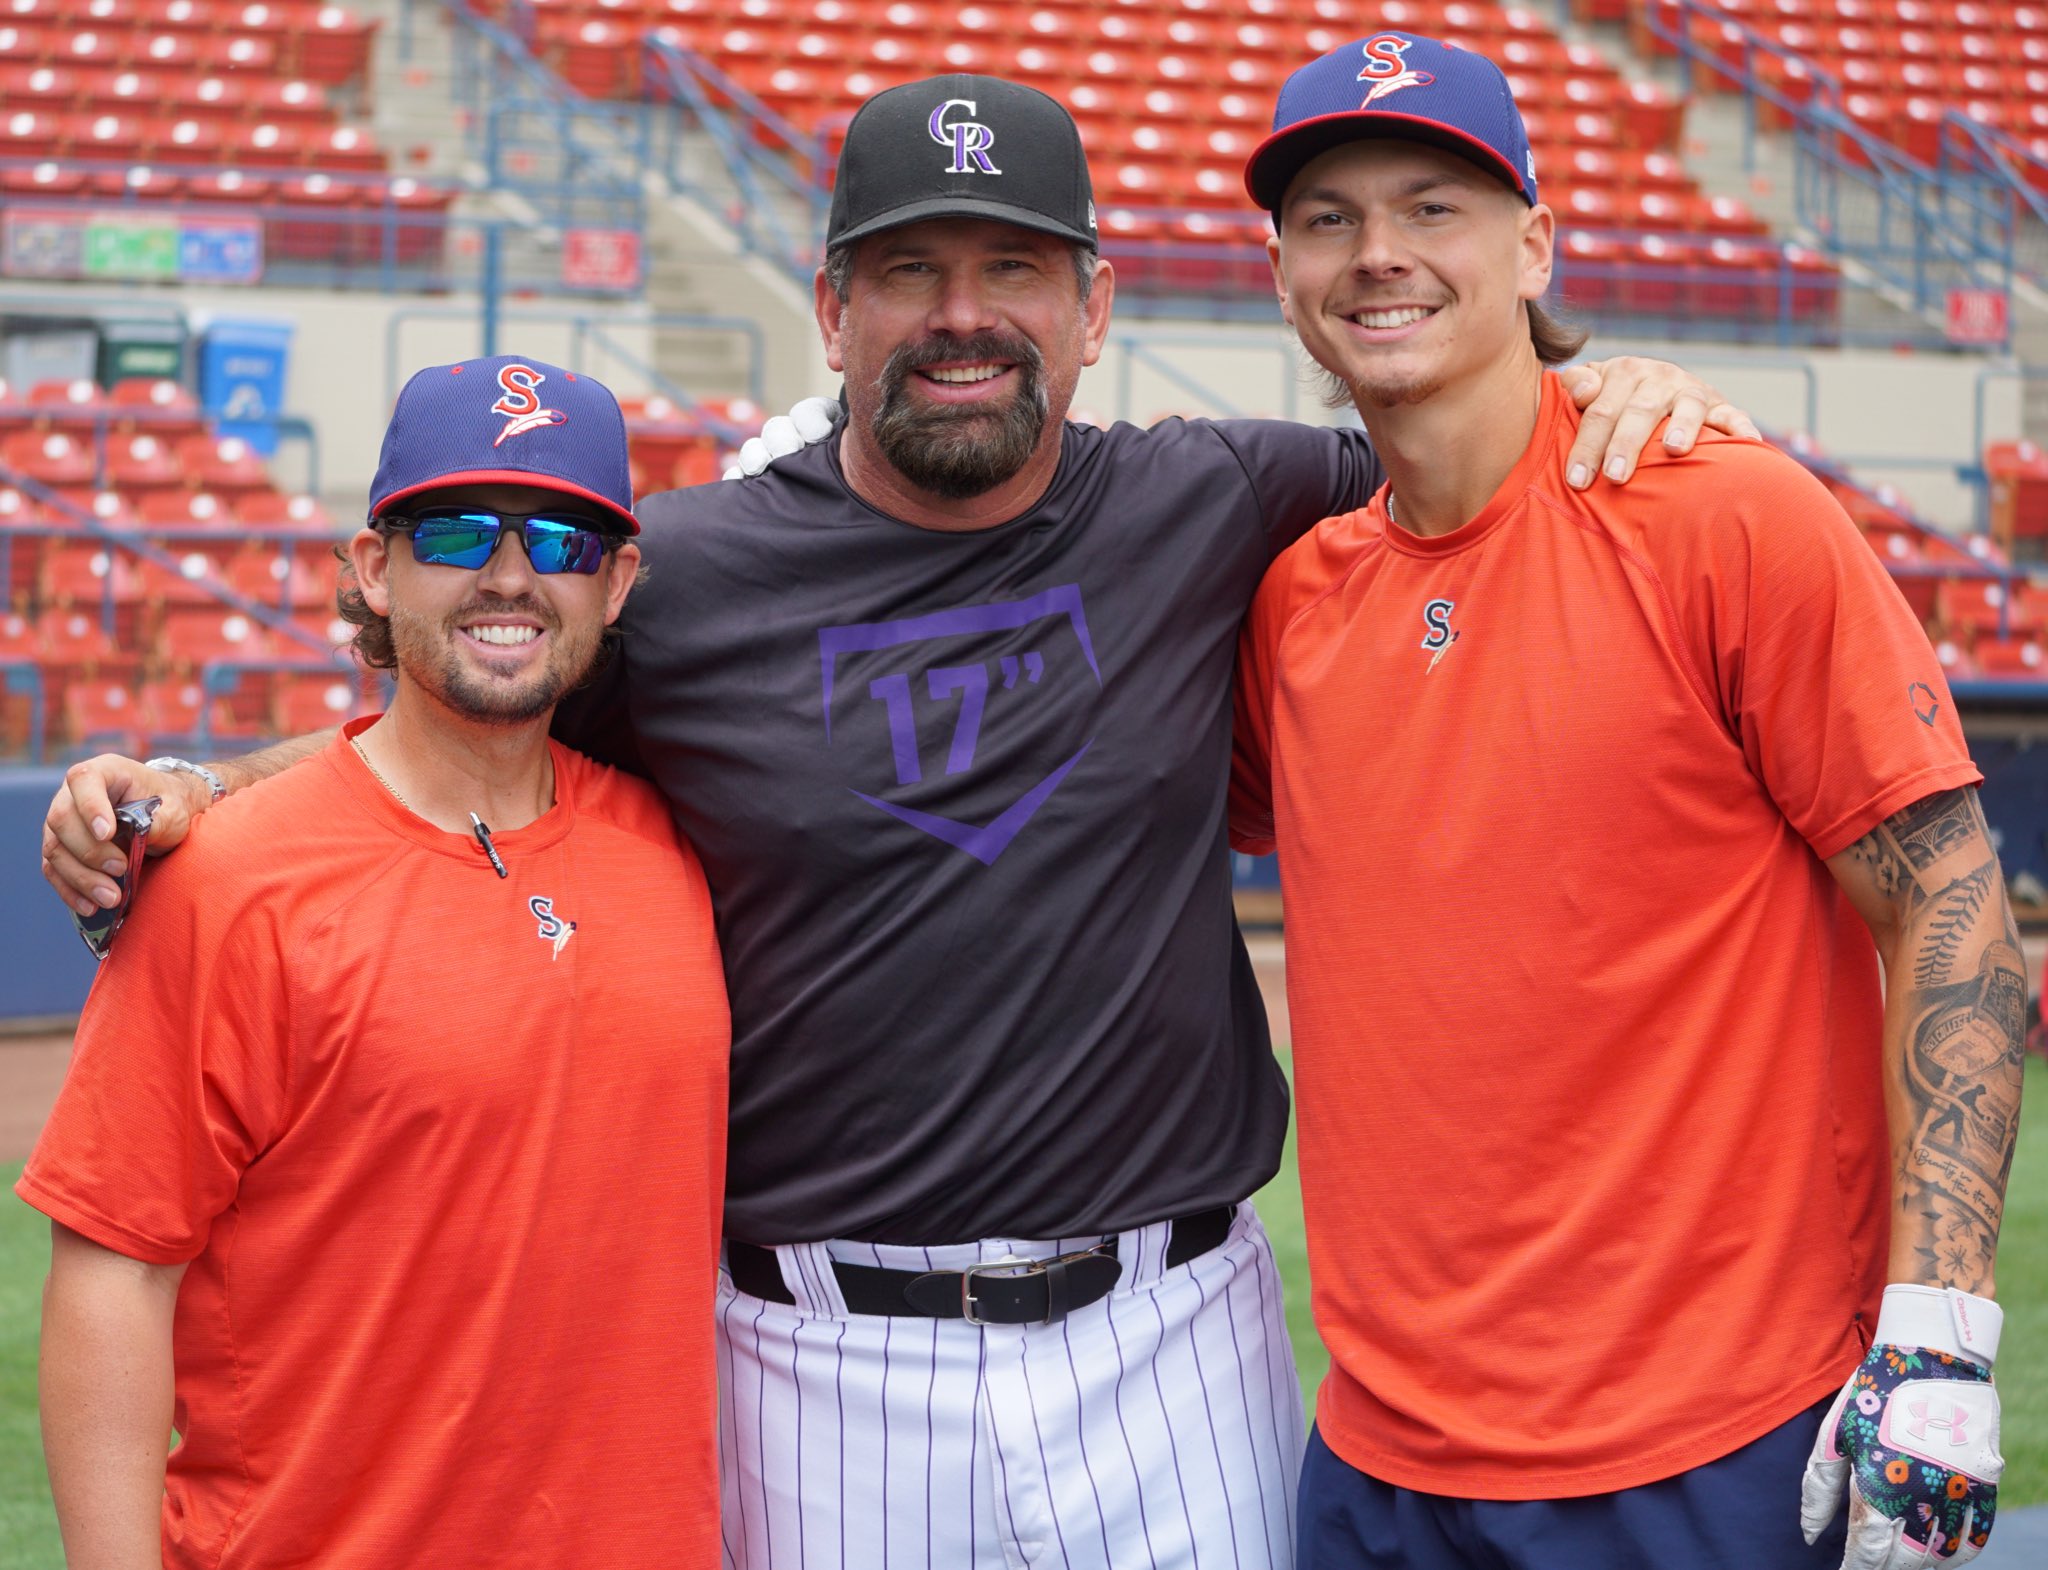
<point>131,838</point>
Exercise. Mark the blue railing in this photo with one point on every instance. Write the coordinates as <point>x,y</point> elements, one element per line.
<point>776,202</point>
<point>1968,150</point>
<point>596,335</point>
<point>386,246</point>
<point>1919,230</point>
<point>536,136</point>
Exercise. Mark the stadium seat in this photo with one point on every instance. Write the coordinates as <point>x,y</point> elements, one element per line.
<point>141,463</point>
<point>316,702</point>
<point>2011,657</point>
<point>102,715</point>
<point>154,403</point>
<point>52,458</point>
<point>269,509</point>
<point>185,511</point>
<point>74,643</point>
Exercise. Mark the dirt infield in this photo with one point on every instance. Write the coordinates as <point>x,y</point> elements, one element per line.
<point>31,1069</point>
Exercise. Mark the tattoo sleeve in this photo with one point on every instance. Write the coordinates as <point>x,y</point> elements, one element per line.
<point>1928,880</point>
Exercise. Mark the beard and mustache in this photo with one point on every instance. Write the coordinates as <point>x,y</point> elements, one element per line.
<point>961,451</point>
<point>427,652</point>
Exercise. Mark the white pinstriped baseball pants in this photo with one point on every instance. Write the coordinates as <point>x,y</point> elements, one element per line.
<point>1158,1429</point>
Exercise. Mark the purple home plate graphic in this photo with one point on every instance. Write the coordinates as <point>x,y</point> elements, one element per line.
<point>962,723</point>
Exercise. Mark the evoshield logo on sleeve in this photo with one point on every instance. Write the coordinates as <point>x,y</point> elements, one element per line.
<point>968,137</point>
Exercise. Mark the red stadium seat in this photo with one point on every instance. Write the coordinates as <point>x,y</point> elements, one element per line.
<point>154,404</point>
<point>84,575</point>
<point>256,56</point>
<point>188,141</point>
<point>54,88</point>
<point>276,510</point>
<point>103,715</point>
<point>297,579</point>
<point>48,178</point>
<point>195,637</point>
<point>28,133</point>
<point>48,457</point>
<point>2019,658</point>
<point>186,512</point>
<point>105,136</point>
<point>310,703</point>
<point>141,463</point>
<point>77,644</point>
<point>23,45</point>
<point>227,465</point>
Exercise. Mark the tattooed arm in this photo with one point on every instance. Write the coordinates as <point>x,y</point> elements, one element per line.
<point>1928,883</point>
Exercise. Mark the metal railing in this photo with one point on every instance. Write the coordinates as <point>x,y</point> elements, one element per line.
<point>536,136</point>
<point>769,188</point>
<point>1919,230</point>
<point>594,336</point>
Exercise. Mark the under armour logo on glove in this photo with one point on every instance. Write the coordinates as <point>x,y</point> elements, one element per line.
<point>1915,1436</point>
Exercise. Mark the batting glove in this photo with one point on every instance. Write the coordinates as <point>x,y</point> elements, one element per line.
<point>810,422</point>
<point>1914,1434</point>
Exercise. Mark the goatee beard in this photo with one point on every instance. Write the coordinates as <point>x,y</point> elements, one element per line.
<point>961,451</point>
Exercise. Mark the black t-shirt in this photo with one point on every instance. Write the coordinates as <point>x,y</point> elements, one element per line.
<point>961,801</point>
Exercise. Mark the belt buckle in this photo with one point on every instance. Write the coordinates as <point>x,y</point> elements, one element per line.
<point>1017,1265</point>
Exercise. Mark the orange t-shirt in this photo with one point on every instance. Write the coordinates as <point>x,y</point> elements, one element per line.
<point>445,1153</point>
<point>1593,1150</point>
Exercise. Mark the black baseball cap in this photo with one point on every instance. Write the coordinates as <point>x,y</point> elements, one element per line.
<point>962,147</point>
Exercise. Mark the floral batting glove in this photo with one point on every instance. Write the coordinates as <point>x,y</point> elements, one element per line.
<point>1915,1436</point>
<point>809,422</point>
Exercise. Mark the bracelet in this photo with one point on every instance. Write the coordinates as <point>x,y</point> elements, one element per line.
<point>214,782</point>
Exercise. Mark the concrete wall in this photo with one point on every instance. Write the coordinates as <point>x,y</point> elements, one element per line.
<point>1906,419</point>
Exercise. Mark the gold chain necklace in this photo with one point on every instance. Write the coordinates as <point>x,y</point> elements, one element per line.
<point>477,824</point>
<point>380,779</point>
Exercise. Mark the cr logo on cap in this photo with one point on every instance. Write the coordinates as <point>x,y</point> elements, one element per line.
<point>969,139</point>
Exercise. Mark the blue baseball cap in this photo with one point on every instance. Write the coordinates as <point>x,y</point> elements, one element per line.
<point>1394,85</point>
<point>506,420</point>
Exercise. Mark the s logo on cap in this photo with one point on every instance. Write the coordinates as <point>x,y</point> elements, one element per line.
<point>969,139</point>
<point>1386,70</point>
<point>521,404</point>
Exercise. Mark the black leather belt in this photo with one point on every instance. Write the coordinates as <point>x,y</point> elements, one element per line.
<point>999,1292</point>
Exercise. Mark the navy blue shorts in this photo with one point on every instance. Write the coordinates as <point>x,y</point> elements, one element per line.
<point>1738,1513</point>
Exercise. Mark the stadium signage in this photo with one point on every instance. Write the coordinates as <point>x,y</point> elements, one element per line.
<point>84,242</point>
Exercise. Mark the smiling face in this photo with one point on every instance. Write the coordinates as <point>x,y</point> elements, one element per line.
<point>961,341</point>
<point>1404,268</point>
<point>497,644</point>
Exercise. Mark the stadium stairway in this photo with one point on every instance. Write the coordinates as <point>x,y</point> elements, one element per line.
<point>694,261</point>
<point>1714,155</point>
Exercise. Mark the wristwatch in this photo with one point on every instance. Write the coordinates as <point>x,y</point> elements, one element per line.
<point>214,782</point>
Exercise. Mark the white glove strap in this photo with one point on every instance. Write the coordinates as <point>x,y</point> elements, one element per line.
<point>1941,1319</point>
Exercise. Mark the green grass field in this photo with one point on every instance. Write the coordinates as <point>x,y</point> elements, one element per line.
<point>2022,1290</point>
<point>28,1532</point>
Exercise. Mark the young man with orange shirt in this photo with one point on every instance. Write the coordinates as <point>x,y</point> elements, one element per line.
<point>1610,1144</point>
<point>386,1173</point>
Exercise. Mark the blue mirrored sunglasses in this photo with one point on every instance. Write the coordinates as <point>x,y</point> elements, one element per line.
<point>466,537</point>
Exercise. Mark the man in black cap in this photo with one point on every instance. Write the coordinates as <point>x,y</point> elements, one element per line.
<point>944,706</point>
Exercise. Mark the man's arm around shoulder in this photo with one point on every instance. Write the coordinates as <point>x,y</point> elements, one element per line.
<point>77,860</point>
<point>106,1389</point>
